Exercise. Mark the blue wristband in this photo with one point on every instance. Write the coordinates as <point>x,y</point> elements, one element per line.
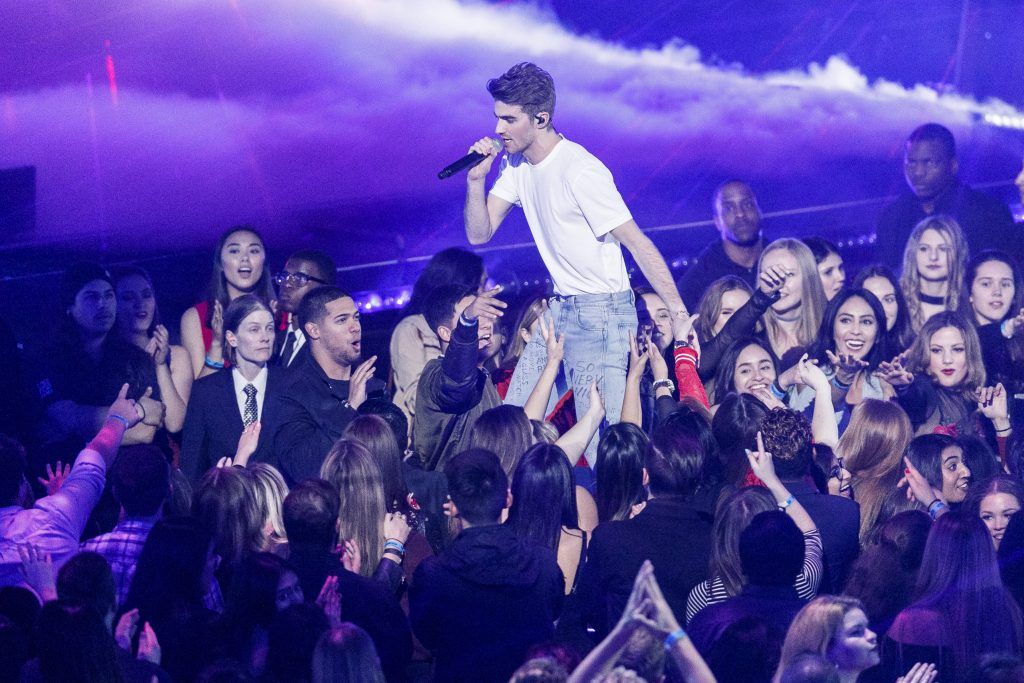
<point>120,419</point>
<point>785,504</point>
<point>674,637</point>
<point>213,364</point>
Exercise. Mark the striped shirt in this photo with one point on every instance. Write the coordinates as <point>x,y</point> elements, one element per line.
<point>711,591</point>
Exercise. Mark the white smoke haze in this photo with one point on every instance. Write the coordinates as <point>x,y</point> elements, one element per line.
<point>232,110</point>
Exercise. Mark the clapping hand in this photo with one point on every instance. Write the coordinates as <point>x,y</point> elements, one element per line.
<point>922,672</point>
<point>358,380</point>
<point>329,601</point>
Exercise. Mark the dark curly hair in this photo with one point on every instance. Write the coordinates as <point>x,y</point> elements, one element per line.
<point>787,436</point>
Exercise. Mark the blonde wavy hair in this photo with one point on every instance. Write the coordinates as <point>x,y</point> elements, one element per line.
<point>910,278</point>
<point>814,628</point>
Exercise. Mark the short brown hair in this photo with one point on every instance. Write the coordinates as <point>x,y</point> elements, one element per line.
<point>527,85</point>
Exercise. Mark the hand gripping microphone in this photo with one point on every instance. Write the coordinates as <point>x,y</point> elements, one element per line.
<point>468,161</point>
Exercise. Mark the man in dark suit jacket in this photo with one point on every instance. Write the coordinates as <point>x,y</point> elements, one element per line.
<point>213,422</point>
<point>787,438</point>
<point>931,167</point>
<point>304,271</point>
<point>671,532</point>
<point>321,395</point>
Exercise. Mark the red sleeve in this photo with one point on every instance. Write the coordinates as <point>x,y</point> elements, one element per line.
<point>686,375</point>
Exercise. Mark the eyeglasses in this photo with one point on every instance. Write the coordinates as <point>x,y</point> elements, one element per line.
<point>295,279</point>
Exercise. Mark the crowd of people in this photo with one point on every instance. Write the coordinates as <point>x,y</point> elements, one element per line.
<point>799,475</point>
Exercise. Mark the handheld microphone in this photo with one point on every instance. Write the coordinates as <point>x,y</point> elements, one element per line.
<point>468,161</point>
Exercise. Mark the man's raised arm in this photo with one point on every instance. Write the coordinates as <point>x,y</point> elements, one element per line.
<point>483,213</point>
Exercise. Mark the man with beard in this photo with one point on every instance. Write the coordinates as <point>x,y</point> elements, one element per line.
<point>454,390</point>
<point>327,386</point>
<point>931,169</point>
<point>303,271</point>
<point>738,219</point>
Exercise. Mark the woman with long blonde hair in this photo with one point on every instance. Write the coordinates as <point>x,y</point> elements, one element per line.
<point>271,490</point>
<point>792,321</point>
<point>933,268</point>
<point>871,450</point>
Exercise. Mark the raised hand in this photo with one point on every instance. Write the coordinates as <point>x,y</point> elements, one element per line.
<point>357,381</point>
<point>596,406</point>
<point>149,646</point>
<point>922,672</point>
<point>396,526</point>
<point>992,403</point>
<point>152,410</point>
<point>918,487</point>
<point>486,305</point>
<point>487,147</point>
<point>329,601</point>
<point>772,279</point>
<point>1015,325</point>
<point>682,327</point>
<point>217,323</point>
<point>637,359</point>
<point>159,345</point>
<point>247,444</point>
<point>350,557</point>
<point>894,372</point>
<point>555,345</point>
<point>809,374</point>
<point>125,408</point>
<point>54,478</point>
<point>124,632</point>
<point>659,368</point>
<point>37,568</point>
<point>846,365</point>
<point>761,464</point>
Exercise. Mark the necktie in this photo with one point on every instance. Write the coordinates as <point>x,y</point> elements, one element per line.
<point>250,414</point>
<point>289,347</point>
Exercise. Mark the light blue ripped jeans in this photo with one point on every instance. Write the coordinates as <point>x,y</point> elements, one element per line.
<point>596,328</point>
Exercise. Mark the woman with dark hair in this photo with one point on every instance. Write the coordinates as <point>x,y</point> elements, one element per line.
<point>995,301</point>
<point>730,310</point>
<point>733,515</point>
<point>1011,558</point>
<point>543,509</point>
<point>225,503</point>
<point>413,343</point>
<point>239,267</point>
<point>346,655</point>
<point>849,348</point>
<point>939,461</point>
<point>138,322</point>
<point>871,450</point>
<point>73,644</point>
<point>830,264</point>
<point>883,283</point>
<point>885,573</point>
<point>747,367</point>
<point>995,500</point>
<point>735,426</point>
<point>942,380</point>
<point>232,413</point>
<point>961,610</point>
<point>264,585</point>
<point>933,269</point>
<point>619,471</point>
<point>175,571</point>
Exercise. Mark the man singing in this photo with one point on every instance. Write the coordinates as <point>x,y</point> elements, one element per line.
<point>579,222</point>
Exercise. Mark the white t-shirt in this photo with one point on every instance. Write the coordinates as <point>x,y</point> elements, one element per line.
<point>571,205</point>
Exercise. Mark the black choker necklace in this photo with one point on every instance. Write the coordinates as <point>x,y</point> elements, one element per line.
<point>932,300</point>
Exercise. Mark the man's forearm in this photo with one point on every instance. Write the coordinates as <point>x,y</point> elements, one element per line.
<point>654,268</point>
<point>478,221</point>
<point>108,439</point>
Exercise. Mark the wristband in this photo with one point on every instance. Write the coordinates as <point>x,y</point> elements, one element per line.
<point>1004,431</point>
<point>214,364</point>
<point>776,390</point>
<point>141,407</point>
<point>786,503</point>
<point>674,637</point>
<point>839,384</point>
<point>935,507</point>
<point>468,322</point>
<point>120,419</point>
<point>684,344</point>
